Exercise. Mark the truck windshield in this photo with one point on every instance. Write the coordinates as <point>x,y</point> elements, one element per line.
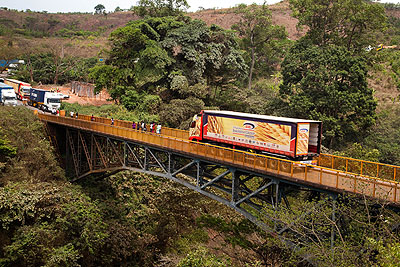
<point>9,98</point>
<point>26,90</point>
<point>53,100</point>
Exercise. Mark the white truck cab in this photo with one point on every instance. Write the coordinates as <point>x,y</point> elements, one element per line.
<point>52,102</point>
<point>8,97</point>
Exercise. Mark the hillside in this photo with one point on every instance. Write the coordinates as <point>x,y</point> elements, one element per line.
<point>85,34</point>
<point>281,15</point>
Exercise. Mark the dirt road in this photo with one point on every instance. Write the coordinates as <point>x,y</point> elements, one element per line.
<point>98,101</point>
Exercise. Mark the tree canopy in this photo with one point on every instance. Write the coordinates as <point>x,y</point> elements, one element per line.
<point>259,37</point>
<point>349,23</point>
<point>173,58</point>
<point>99,9</point>
<point>328,84</point>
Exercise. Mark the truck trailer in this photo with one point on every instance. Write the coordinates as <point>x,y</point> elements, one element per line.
<point>22,89</point>
<point>45,100</point>
<point>294,139</point>
<point>7,95</point>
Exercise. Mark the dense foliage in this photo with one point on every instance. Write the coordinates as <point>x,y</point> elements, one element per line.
<point>126,219</point>
<point>51,68</point>
<point>328,84</point>
<point>171,61</point>
<point>262,41</point>
<point>351,24</point>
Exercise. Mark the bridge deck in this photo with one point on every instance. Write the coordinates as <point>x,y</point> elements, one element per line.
<point>333,173</point>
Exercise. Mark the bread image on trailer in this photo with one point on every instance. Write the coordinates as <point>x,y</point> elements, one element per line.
<point>290,138</point>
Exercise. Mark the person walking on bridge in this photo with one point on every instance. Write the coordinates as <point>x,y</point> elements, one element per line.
<point>92,118</point>
<point>76,115</point>
<point>112,121</point>
<point>158,128</point>
<point>134,125</point>
<point>71,114</point>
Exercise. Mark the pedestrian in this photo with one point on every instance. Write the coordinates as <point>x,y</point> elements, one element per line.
<point>151,127</point>
<point>76,115</point>
<point>134,125</point>
<point>159,128</point>
<point>143,126</point>
<point>92,118</point>
<point>58,112</point>
<point>112,121</point>
<point>72,114</point>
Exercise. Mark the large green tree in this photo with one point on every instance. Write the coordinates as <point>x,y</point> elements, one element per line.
<point>348,23</point>
<point>328,84</point>
<point>259,35</point>
<point>173,58</point>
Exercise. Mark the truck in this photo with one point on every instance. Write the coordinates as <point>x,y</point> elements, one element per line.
<point>45,100</point>
<point>22,89</point>
<point>288,138</point>
<point>7,95</point>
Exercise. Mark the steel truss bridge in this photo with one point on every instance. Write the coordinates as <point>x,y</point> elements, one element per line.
<point>244,181</point>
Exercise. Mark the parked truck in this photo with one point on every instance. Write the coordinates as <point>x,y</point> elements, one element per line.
<point>22,89</point>
<point>294,139</point>
<point>7,95</point>
<point>44,100</point>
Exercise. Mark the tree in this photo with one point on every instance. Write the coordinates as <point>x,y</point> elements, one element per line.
<point>352,24</point>
<point>257,32</point>
<point>172,57</point>
<point>99,9</point>
<point>160,8</point>
<point>328,84</point>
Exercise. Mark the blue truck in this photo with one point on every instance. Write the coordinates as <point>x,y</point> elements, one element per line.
<point>7,95</point>
<point>45,100</point>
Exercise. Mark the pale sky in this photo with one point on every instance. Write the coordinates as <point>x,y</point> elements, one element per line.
<point>53,6</point>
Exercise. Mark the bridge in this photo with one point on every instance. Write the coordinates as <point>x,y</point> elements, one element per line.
<point>244,181</point>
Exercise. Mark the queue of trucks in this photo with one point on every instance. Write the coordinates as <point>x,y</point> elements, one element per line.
<point>294,139</point>
<point>11,90</point>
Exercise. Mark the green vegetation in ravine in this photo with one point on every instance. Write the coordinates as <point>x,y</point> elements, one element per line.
<point>125,219</point>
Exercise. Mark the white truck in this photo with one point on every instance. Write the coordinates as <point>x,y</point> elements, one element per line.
<point>45,100</point>
<point>7,95</point>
